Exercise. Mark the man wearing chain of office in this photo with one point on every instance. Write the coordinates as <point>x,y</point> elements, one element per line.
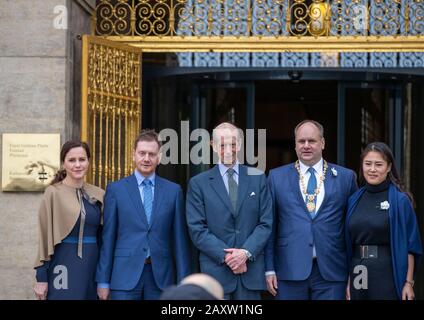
<point>305,258</point>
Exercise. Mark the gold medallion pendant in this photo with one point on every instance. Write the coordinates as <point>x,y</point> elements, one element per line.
<point>310,206</point>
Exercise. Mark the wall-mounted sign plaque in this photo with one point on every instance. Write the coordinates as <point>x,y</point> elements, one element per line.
<point>30,161</point>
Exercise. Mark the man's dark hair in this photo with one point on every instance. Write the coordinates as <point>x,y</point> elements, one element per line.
<point>147,135</point>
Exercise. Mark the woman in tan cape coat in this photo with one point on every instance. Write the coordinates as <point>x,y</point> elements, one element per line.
<point>69,225</point>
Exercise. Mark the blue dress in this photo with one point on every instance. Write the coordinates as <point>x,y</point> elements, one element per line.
<point>69,277</point>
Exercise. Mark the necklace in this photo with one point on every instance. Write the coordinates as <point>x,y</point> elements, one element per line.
<point>310,204</point>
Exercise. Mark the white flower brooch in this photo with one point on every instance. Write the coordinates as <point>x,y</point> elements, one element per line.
<point>334,172</point>
<point>385,205</point>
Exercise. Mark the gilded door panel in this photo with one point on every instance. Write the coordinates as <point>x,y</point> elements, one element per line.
<point>111,106</point>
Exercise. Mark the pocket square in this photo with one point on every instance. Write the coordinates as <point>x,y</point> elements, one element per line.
<point>252,194</point>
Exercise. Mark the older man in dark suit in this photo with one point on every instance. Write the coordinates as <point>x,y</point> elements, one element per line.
<point>229,216</point>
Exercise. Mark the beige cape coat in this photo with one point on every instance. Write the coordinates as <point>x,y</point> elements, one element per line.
<point>58,213</point>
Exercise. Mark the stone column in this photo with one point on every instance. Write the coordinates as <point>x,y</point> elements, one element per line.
<point>35,97</point>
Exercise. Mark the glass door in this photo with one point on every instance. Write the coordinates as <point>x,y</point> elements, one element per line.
<point>369,112</point>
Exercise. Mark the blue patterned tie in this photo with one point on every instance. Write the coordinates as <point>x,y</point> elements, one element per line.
<point>312,185</point>
<point>148,198</point>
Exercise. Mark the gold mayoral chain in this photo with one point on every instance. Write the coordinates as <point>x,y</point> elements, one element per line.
<point>310,205</point>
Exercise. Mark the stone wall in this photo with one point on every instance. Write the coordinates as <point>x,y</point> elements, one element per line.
<point>36,76</point>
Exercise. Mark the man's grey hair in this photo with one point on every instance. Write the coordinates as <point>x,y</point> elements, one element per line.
<point>227,125</point>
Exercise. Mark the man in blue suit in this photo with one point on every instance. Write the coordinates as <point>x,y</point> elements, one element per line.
<point>229,215</point>
<point>145,241</point>
<point>306,255</point>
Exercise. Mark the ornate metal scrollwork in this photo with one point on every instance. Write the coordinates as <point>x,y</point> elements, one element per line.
<point>259,17</point>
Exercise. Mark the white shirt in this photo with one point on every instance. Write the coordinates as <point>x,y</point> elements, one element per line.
<point>319,169</point>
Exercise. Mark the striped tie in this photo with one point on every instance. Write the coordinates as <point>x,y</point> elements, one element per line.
<point>148,198</point>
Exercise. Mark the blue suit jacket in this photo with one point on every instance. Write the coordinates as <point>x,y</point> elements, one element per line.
<point>215,226</point>
<point>404,234</point>
<point>126,234</point>
<point>289,251</point>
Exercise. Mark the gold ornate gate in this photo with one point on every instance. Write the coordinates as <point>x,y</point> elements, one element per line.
<point>111,106</point>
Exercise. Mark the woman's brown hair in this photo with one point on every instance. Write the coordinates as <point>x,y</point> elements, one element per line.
<point>67,146</point>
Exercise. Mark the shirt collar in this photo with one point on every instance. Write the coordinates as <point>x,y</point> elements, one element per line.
<point>140,178</point>
<point>318,167</point>
<point>223,168</point>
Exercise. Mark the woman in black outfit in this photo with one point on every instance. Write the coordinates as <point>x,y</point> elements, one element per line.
<point>382,237</point>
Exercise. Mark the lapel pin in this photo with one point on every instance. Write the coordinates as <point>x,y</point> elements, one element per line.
<point>252,194</point>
